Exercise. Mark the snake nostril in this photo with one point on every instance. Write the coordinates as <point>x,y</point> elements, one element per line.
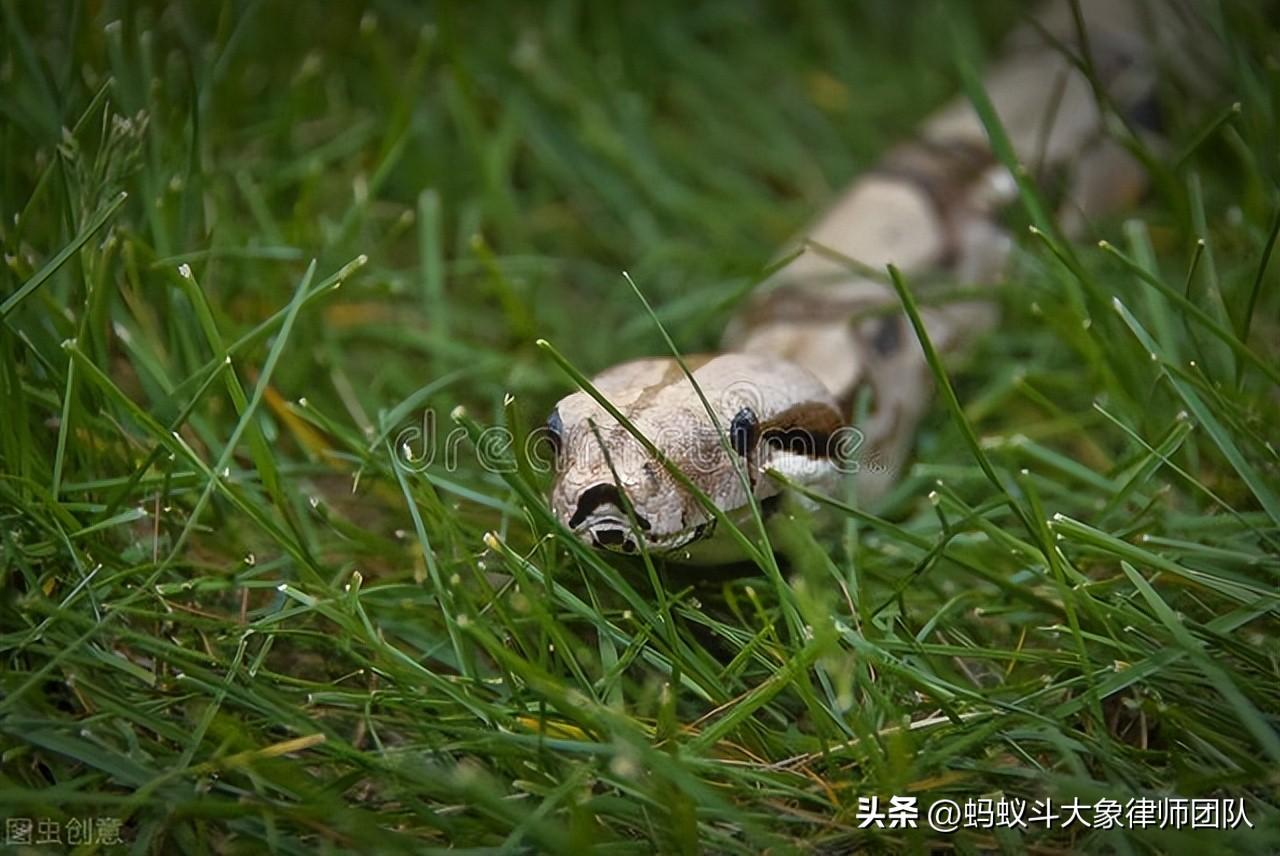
<point>613,537</point>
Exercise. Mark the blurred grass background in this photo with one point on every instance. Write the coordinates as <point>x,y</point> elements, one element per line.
<point>247,244</point>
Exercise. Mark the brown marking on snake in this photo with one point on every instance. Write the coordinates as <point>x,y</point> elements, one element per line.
<point>944,171</point>
<point>806,428</point>
<point>672,374</point>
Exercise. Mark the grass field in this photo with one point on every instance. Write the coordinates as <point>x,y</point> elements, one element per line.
<point>249,245</point>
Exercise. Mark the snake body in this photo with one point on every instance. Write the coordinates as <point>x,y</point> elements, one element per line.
<point>817,334</point>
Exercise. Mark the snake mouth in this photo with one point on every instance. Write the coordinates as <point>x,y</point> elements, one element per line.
<point>617,535</point>
<point>611,534</point>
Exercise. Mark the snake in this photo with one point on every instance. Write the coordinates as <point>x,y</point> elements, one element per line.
<point>822,373</point>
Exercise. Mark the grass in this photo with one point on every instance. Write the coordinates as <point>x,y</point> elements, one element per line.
<point>250,246</point>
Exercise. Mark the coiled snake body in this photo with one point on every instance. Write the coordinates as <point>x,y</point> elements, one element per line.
<point>816,333</point>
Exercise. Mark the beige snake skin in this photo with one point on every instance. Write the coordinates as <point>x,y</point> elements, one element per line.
<point>816,334</point>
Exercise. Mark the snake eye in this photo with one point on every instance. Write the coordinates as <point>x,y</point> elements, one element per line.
<point>743,431</point>
<point>555,430</point>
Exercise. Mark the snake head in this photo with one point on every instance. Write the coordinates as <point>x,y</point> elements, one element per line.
<point>613,492</point>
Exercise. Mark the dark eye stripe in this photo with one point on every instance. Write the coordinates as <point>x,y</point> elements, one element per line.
<point>800,442</point>
<point>806,429</point>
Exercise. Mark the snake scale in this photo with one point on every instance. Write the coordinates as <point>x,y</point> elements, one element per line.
<point>817,336</point>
